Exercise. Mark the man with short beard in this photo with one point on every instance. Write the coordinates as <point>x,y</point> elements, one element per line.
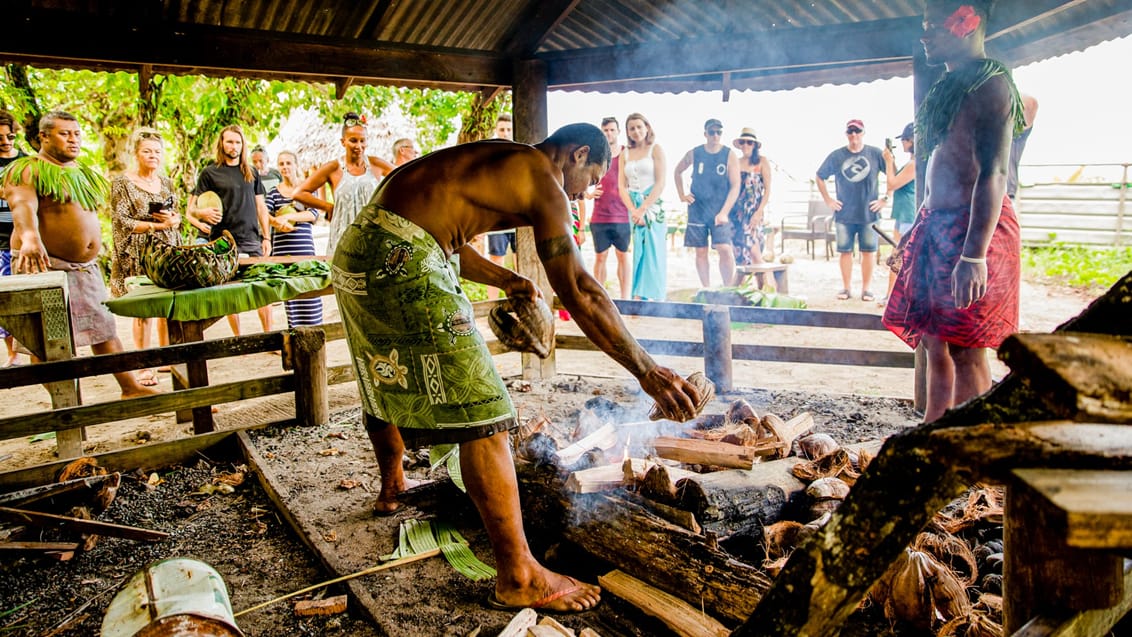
<point>957,291</point>
<point>424,372</point>
<point>609,224</point>
<point>60,231</point>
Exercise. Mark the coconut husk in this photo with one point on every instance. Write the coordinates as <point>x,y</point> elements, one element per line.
<point>85,467</point>
<point>863,460</point>
<point>774,567</point>
<point>982,505</point>
<point>741,411</point>
<point>825,495</point>
<point>977,624</point>
<point>780,538</point>
<point>834,465</point>
<point>921,591</point>
<point>952,551</point>
<point>707,394</point>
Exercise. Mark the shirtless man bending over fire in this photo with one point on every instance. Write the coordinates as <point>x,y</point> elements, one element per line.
<point>424,372</point>
<point>53,199</point>
<point>957,290</point>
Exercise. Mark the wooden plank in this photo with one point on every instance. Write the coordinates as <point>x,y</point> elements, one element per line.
<point>823,356</point>
<point>717,347</point>
<point>40,546</point>
<point>158,454</point>
<point>681,617</point>
<point>808,318</point>
<point>1079,376</point>
<point>86,415</point>
<point>1089,622</point>
<point>244,262</point>
<point>44,491</point>
<point>85,366</point>
<point>338,374</point>
<point>1095,506</point>
<point>38,518</point>
<point>312,536</point>
<point>660,309</point>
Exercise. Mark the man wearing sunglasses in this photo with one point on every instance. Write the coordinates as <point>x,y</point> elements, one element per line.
<point>856,169</point>
<point>8,153</point>
<point>715,187</point>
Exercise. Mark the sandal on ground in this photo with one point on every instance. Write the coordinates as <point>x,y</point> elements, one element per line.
<point>495,603</point>
<point>843,295</point>
<point>867,296</point>
<point>147,378</point>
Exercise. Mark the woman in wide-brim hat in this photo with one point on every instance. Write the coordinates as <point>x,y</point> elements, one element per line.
<point>748,216</point>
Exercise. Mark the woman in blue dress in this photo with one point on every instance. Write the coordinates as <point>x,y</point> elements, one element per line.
<point>641,183</point>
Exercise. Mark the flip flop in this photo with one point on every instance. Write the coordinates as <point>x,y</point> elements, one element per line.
<point>867,296</point>
<point>494,602</point>
<point>147,378</point>
<point>843,295</point>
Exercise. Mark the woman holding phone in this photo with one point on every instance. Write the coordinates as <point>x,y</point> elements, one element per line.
<point>143,211</point>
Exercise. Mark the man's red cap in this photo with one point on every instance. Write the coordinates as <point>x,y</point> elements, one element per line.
<point>855,122</point>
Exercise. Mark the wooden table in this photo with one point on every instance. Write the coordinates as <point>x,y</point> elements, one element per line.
<point>33,307</point>
<point>187,320</point>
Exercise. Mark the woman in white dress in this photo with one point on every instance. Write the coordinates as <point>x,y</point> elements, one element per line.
<point>641,183</point>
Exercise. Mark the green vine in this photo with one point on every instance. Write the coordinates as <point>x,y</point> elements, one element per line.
<point>79,183</point>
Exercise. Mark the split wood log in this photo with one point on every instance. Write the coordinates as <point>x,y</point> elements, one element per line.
<point>682,618</point>
<point>920,470</point>
<point>37,518</point>
<point>519,624</point>
<point>638,473</point>
<point>553,624</point>
<point>741,502</point>
<point>676,515</point>
<point>708,452</point>
<point>613,476</point>
<point>636,541</point>
<point>604,438</point>
<point>790,430</point>
<point>39,546</point>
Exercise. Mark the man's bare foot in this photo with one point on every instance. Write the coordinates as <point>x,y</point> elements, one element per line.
<point>386,503</point>
<point>549,592</point>
<point>140,391</point>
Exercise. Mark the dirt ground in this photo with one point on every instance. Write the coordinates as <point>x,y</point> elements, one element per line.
<point>246,540</point>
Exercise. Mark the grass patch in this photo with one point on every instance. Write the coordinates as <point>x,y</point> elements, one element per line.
<point>1087,268</point>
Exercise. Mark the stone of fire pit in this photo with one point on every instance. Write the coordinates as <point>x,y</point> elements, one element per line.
<point>707,394</point>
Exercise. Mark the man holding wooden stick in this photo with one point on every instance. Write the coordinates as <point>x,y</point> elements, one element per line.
<point>424,372</point>
<point>957,290</point>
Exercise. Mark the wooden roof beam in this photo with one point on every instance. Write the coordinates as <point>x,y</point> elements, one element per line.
<point>531,32</point>
<point>778,49</point>
<point>262,54</point>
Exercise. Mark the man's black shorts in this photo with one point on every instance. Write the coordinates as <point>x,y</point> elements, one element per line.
<point>701,226</point>
<point>610,234</point>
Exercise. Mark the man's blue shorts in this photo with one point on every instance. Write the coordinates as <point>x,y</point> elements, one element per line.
<point>497,244</point>
<point>860,233</point>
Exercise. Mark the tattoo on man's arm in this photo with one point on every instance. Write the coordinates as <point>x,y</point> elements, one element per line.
<point>554,247</point>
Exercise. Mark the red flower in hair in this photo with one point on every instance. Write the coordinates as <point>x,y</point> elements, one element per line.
<point>963,22</point>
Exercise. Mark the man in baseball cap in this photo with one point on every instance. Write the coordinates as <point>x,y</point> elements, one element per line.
<point>714,189</point>
<point>856,169</point>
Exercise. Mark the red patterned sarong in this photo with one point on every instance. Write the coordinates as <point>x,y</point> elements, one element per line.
<point>921,301</point>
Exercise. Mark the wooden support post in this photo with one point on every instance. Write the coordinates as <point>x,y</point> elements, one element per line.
<point>529,94</point>
<point>308,355</point>
<point>193,373</point>
<point>717,346</point>
<point>1041,572</point>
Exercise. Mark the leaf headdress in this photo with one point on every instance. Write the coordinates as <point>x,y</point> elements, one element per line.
<point>79,183</point>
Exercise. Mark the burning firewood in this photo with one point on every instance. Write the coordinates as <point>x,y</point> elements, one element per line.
<point>604,438</point>
<point>612,476</point>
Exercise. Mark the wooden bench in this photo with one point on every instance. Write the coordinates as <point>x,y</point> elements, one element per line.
<point>779,270</point>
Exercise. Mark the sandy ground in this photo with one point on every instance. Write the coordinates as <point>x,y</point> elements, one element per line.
<point>1043,308</point>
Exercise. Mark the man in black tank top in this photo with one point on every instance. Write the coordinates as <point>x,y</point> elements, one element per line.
<point>715,186</point>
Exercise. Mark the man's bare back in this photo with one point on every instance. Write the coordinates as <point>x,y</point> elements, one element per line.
<point>456,193</point>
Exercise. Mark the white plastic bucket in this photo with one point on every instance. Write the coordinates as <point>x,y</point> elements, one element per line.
<point>177,597</point>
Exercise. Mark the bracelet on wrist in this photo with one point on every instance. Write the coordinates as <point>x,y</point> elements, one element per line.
<point>966,259</point>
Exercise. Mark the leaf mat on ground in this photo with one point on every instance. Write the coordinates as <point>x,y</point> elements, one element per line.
<point>418,536</point>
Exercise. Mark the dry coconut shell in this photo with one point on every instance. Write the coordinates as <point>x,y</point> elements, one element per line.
<point>951,551</point>
<point>834,465</point>
<point>523,324</point>
<point>707,394</point>
<point>825,495</point>
<point>742,411</point>
<point>814,446</point>
<point>85,467</point>
<point>977,624</point>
